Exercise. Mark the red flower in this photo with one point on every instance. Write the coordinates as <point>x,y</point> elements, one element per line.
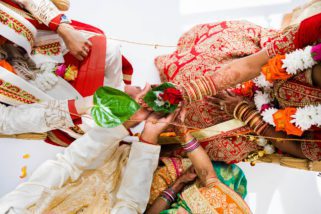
<point>172,95</point>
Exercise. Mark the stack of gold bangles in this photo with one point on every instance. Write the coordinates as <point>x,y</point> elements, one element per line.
<point>197,89</point>
<point>246,113</point>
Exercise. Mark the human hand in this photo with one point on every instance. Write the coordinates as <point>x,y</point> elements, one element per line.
<point>188,176</point>
<point>180,129</point>
<point>156,124</point>
<point>226,101</point>
<point>76,43</point>
<point>84,105</point>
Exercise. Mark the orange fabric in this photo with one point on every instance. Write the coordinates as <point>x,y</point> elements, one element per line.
<point>282,120</point>
<point>273,69</point>
<point>6,65</point>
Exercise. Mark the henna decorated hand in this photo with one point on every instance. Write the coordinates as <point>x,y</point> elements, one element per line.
<point>226,101</point>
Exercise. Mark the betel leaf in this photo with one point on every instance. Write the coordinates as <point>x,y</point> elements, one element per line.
<point>150,98</point>
<point>112,107</point>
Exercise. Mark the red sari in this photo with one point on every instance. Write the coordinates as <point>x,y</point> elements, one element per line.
<point>206,48</point>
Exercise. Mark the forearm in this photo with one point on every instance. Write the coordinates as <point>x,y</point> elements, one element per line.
<point>84,153</point>
<point>200,160</point>
<point>37,118</point>
<point>160,204</point>
<point>43,10</point>
<point>237,71</point>
<point>134,190</point>
<point>240,70</point>
<point>251,117</point>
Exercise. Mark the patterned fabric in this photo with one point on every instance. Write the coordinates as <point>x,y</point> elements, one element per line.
<point>230,175</point>
<point>299,92</point>
<point>203,50</point>
<point>217,199</point>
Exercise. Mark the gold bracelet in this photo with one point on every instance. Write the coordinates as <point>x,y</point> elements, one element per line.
<point>197,90</point>
<point>236,108</point>
<point>251,117</point>
<point>255,120</point>
<point>186,94</point>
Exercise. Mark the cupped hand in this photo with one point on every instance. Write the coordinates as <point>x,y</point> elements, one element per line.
<point>76,43</point>
<point>188,176</point>
<point>226,101</point>
<point>156,124</point>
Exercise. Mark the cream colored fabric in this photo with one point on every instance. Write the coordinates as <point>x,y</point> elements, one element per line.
<point>44,10</point>
<point>60,185</point>
<point>37,118</point>
<point>69,165</point>
<point>133,195</point>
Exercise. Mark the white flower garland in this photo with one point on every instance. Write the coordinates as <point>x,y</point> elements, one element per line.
<point>293,63</point>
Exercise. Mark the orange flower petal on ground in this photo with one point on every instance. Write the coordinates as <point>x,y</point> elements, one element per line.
<point>273,69</point>
<point>23,172</point>
<point>282,120</point>
<point>26,156</point>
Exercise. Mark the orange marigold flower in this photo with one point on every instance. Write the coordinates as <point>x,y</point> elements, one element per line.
<point>282,120</point>
<point>6,65</point>
<point>273,69</point>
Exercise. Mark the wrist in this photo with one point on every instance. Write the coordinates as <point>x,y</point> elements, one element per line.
<point>150,138</point>
<point>178,185</point>
<point>63,29</point>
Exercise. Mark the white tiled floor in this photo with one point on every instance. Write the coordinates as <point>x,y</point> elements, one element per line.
<point>272,189</point>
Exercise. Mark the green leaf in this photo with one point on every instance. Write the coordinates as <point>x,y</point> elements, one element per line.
<point>150,98</point>
<point>112,107</point>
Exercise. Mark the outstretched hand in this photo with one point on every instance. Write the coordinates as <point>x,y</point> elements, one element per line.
<point>156,124</point>
<point>226,101</point>
<point>76,43</point>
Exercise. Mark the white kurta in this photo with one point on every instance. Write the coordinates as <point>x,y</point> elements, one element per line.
<point>39,117</point>
<point>133,194</point>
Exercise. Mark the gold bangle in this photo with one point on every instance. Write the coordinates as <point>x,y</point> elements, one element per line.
<point>236,108</point>
<point>255,120</point>
<point>260,130</point>
<point>196,89</point>
<point>192,91</point>
<point>186,93</point>
<point>251,117</point>
<point>212,85</point>
<point>208,92</point>
<point>208,85</point>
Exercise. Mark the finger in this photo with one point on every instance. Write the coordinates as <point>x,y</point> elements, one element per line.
<point>79,57</point>
<point>231,93</point>
<point>86,49</point>
<point>88,43</point>
<point>84,53</point>
<point>154,85</point>
<point>214,100</point>
<point>172,116</point>
<point>143,92</point>
<point>183,115</point>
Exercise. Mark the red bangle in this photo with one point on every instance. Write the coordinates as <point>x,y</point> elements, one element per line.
<point>144,141</point>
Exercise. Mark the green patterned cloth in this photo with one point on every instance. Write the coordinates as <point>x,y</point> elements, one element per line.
<point>229,174</point>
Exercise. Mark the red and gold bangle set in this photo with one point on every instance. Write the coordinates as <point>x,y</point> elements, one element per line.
<point>197,89</point>
<point>246,113</point>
